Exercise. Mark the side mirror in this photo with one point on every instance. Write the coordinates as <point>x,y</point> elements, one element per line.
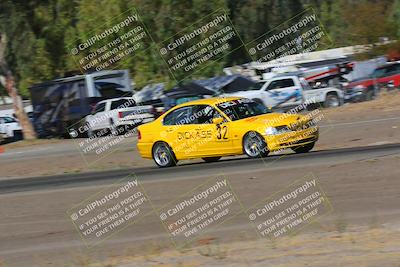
<point>217,120</point>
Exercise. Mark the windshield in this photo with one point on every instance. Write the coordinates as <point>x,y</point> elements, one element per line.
<point>9,120</point>
<point>242,108</point>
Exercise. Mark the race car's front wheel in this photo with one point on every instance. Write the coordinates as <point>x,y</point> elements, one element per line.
<point>163,155</point>
<point>211,159</point>
<point>254,145</point>
<point>304,148</point>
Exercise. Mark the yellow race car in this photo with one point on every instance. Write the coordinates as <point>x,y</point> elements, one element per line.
<point>216,127</point>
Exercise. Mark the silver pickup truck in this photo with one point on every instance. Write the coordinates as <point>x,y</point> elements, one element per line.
<point>117,115</point>
<point>290,90</point>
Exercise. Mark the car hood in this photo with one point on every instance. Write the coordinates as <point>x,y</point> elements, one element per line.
<point>273,119</point>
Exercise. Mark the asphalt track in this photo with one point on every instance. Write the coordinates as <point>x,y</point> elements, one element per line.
<point>185,171</point>
<point>362,184</point>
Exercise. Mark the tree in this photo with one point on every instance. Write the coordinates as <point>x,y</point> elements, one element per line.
<point>7,80</point>
<point>366,23</point>
<point>395,16</point>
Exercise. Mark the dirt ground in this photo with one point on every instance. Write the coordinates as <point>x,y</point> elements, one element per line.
<point>352,125</point>
<point>365,247</point>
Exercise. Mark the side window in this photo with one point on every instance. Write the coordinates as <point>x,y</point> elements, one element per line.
<point>394,69</point>
<point>277,84</point>
<point>379,73</point>
<point>180,116</point>
<point>8,120</point>
<point>100,107</point>
<point>205,114</point>
<point>287,83</point>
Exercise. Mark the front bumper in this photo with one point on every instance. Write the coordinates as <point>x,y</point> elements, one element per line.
<point>291,139</point>
<point>353,95</point>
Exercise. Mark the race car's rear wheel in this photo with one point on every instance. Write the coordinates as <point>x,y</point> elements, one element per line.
<point>369,95</point>
<point>211,159</point>
<point>163,155</point>
<point>304,148</point>
<point>254,145</point>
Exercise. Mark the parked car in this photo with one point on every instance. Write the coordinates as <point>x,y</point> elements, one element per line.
<point>282,92</point>
<point>118,114</point>
<point>367,88</point>
<point>10,128</point>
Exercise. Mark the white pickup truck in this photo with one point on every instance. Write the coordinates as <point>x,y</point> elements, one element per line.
<point>117,115</point>
<point>282,92</point>
<point>9,128</point>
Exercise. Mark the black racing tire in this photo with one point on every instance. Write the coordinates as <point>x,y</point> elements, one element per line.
<point>304,148</point>
<point>369,95</point>
<point>254,145</point>
<point>18,136</point>
<point>163,155</point>
<point>211,159</point>
<point>332,101</point>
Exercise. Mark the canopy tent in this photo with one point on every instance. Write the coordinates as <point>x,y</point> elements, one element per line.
<point>186,92</point>
<point>226,84</point>
<point>149,93</point>
<point>189,89</point>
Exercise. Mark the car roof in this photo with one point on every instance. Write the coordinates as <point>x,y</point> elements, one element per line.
<point>209,101</point>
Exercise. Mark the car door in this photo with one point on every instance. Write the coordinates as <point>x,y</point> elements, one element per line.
<point>178,129</point>
<point>214,139</point>
<point>282,92</point>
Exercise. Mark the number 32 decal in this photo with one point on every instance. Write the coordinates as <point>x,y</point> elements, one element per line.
<point>221,134</point>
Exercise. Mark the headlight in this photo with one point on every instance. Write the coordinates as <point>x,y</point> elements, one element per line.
<point>271,131</point>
